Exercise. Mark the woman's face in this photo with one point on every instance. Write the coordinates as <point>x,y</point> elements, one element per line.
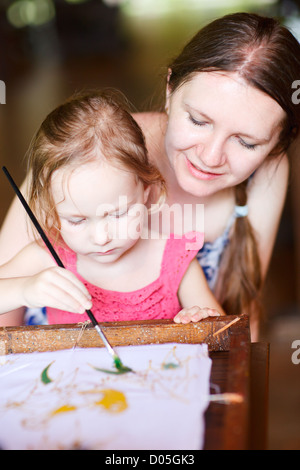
<point>220,129</point>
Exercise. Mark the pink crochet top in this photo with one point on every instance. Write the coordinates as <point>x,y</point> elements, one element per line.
<point>158,300</point>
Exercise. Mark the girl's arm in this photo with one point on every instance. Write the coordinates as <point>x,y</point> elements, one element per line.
<point>195,296</point>
<point>32,279</point>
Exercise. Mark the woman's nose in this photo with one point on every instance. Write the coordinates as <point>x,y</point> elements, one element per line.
<point>212,153</point>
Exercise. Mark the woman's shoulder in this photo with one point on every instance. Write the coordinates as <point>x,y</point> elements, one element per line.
<point>148,120</point>
<point>153,125</point>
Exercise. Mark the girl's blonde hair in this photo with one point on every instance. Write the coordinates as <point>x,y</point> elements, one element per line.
<point>86,127</point>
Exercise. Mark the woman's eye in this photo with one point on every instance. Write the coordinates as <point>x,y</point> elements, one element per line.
<point>195,122</point>
<point>247,146</point>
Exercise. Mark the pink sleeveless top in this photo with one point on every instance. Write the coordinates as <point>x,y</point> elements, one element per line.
<point>158,300</point>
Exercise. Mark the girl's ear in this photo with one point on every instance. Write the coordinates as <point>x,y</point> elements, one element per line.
<point>168,90</point>
<point>146,193</point>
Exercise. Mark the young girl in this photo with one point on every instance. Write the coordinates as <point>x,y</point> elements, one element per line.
<point>90,181</point>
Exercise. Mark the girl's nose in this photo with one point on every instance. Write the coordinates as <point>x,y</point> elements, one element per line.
<point>102,233</point>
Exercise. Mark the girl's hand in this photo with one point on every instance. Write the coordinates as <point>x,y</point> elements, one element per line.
<point>195,314</point>
<point>57,288</point>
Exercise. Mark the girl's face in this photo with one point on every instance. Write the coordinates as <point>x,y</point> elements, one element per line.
<point>220,130</point>
<point>101,209</point>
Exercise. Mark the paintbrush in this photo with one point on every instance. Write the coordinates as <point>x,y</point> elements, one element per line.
<point>117,361</point>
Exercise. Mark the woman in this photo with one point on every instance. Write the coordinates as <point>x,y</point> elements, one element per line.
<point>222,141</point>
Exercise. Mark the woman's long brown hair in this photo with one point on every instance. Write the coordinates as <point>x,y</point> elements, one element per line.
<point>267,56</point>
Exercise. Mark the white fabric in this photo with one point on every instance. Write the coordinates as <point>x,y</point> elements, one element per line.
<point>159,407</point>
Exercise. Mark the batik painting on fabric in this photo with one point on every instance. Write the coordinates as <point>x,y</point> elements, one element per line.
<point>74,399</point>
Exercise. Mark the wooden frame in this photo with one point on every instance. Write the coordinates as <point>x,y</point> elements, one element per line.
<point>227,425</point>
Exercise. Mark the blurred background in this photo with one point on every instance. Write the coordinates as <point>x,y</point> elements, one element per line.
<point>51,48</point>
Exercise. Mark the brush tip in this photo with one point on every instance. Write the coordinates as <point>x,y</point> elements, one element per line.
<point>117,362</point>
<point>119,365</point>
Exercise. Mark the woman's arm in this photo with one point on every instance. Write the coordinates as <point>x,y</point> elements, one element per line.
<point>13,318</point>
<point>195,296</point>
<point>266,200</point>
<point>16,231</point>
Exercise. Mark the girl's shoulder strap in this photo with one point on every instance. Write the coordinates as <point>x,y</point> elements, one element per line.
<point>180,250</point>
<point>67,256</point>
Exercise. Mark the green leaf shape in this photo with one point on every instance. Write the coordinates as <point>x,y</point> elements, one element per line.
<point>44,375</point>
<point>113,372</point>
<point>170,365</point>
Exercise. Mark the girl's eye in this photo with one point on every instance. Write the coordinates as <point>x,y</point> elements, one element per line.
<point>76,221</point>
<point>119,214</point>
<point>247,146</point>
<point>195,122</point>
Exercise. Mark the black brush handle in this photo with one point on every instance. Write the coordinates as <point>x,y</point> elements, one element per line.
<point>41,232</point>
<point>33,218</point>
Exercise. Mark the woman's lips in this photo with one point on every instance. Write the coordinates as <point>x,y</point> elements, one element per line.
<point>197,173</point>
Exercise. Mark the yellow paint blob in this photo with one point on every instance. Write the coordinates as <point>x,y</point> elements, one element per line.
<point>64,409</point>
<point>113,401</point>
